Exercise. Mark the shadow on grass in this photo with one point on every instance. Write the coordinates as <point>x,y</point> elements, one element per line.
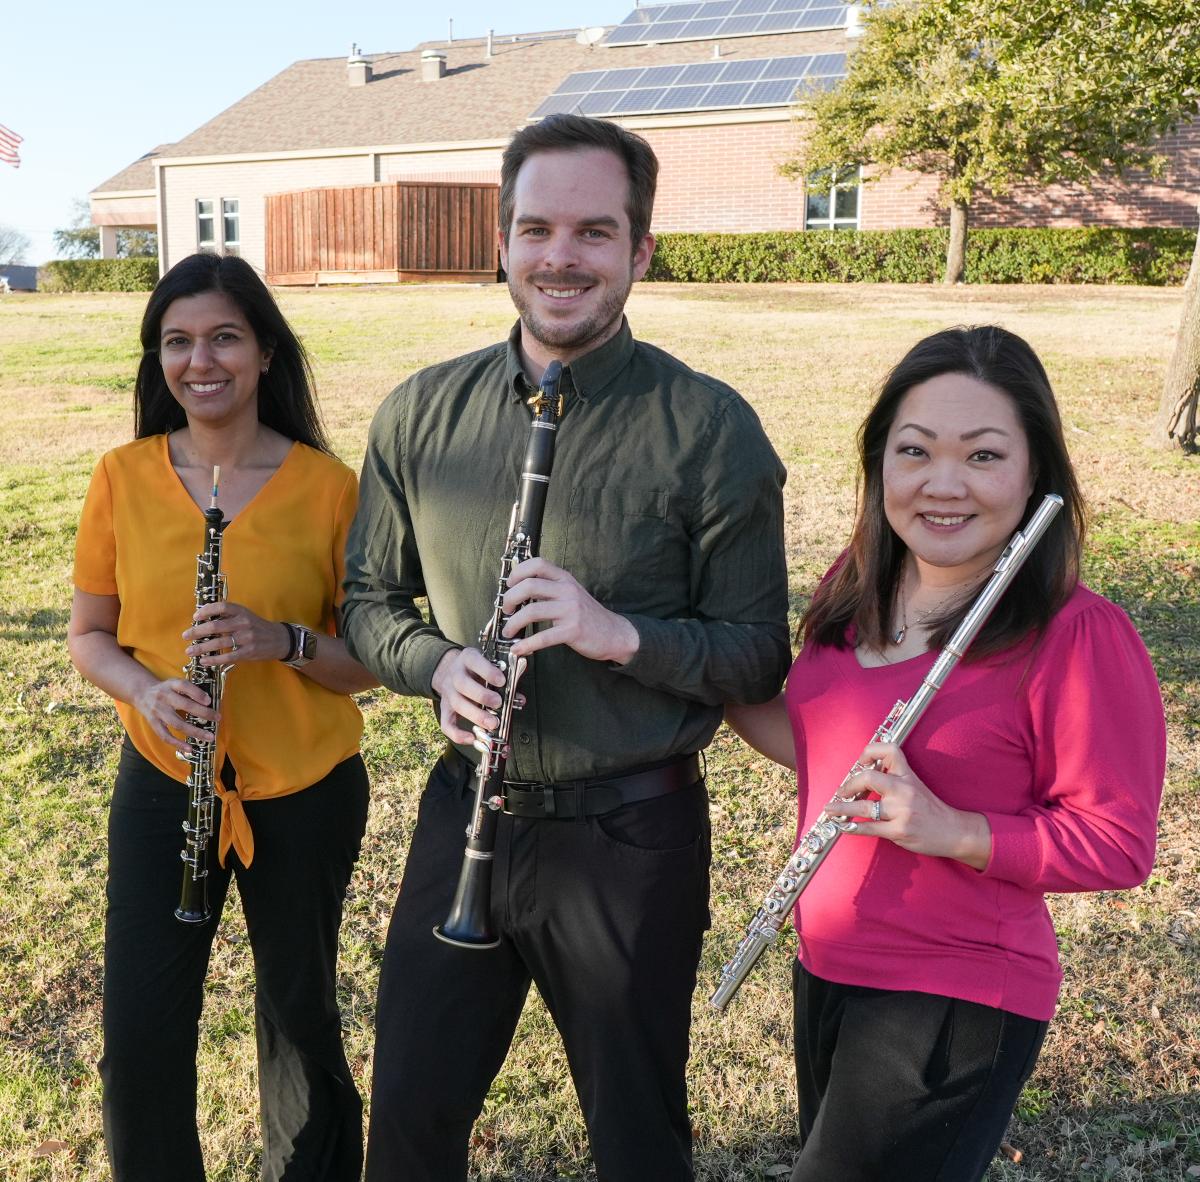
<point>35,625</point>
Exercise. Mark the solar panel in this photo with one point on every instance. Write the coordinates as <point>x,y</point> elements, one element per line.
<point>701,86</point>
<point>710,19</point>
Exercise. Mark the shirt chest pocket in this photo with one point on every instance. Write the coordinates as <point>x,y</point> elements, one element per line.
<point>626,549</point>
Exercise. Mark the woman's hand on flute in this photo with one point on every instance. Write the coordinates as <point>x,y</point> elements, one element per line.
<point>909,814</point>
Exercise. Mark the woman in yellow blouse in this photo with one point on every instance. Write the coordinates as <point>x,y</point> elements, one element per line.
<point>224,381</point>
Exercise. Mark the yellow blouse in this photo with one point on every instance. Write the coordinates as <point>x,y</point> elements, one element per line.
<point>283,555</point>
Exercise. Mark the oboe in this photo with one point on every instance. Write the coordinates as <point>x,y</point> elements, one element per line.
<point>469,923</point>
<point>201,756</point>
<point>814,846</point>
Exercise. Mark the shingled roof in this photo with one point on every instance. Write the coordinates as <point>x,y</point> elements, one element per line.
<point>311,105</point>
<point>138,176</point>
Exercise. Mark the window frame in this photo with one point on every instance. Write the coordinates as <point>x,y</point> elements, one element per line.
<point>203,243</point>
<point>848,178</point>
<point>231,245</point>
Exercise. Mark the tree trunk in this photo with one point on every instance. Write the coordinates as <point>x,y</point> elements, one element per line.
<point>1177,412</point>
<point>956,251</point>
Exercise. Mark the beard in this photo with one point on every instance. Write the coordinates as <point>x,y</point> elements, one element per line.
<point>593,327</point>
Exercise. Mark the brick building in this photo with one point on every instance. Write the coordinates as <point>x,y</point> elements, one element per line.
<point>442,113</point>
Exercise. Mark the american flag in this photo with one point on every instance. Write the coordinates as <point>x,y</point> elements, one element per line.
<point>8,146</point>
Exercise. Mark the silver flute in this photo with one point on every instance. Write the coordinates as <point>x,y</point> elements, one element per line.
<point>814,846</point>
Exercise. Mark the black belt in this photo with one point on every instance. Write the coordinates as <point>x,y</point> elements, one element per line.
<point>571,799</point>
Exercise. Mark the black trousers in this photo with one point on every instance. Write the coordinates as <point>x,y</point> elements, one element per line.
<point>606,915</point>
<point>908,1085</point>
<point>154,968</point>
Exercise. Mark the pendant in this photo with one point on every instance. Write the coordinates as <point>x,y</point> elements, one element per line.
<point>898,635</point>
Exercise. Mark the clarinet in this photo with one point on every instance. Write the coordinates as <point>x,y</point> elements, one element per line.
<point>469,924</point>
<point>814,846</point>
<point>202,754</point>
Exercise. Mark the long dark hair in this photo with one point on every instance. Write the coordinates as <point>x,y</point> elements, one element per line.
<point>862,590</point>
<point>285,392</point>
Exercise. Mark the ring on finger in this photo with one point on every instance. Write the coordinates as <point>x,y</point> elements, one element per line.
<point>876,810</point>
<point>233,644</point>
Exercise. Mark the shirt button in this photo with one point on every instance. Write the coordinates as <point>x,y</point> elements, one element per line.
<point>523,738</point>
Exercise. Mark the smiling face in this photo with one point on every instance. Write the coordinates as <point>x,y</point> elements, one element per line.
<point>211,359</point>
<point>569,256</point>
<point>956,475</point>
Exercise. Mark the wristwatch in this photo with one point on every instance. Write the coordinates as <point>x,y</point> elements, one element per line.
<point>304,645</point>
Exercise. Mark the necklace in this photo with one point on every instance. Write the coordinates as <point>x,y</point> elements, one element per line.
<point>901,632</point>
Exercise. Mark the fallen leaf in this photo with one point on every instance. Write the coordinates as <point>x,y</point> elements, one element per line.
<point>48,1147</point>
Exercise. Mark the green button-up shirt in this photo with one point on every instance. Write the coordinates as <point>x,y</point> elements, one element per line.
<point>665,503</point>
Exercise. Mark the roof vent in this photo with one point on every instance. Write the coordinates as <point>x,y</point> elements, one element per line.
<point>433,65</point>
<point>358,69</point>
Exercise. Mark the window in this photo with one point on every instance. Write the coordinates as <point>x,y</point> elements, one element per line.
<point>836,209</point>
<point>230,219</point>
<point>205,226</point>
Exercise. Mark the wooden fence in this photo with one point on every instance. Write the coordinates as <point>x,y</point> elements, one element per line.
<point>384,233</point>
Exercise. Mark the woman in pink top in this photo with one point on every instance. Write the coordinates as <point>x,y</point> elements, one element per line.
<point>928,967</point>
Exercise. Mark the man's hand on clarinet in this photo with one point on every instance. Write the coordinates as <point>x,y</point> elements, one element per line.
<point>463,682</point>
<point>540,592</point>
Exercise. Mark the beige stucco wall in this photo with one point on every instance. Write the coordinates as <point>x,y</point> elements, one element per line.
<point>463,165</point>
<point>134,209</point>
<point>249,181</point>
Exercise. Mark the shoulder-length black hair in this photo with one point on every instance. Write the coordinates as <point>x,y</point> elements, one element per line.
<point>285,392</point>
<point>862,590</point>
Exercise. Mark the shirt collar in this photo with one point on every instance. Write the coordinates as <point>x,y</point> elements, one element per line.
<point>589,375</point>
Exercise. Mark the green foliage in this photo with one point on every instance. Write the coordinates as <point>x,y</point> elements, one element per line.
<point>1151,256</point>
<point>99,275</point>
<point>81,240</point>
<point>987,95</point>
<point>77,242</point>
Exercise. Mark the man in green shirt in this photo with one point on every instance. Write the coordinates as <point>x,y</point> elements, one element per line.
<point>660,593</point>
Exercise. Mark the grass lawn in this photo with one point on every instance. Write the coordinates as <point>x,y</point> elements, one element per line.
<point>1117,1092</point>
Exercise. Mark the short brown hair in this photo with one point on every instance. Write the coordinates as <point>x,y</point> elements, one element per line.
<point>559,133</point>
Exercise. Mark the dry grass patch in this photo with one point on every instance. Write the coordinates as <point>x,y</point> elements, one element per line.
<point>1117,1094</point>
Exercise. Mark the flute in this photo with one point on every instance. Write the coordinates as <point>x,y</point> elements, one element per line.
<point>814,846</point>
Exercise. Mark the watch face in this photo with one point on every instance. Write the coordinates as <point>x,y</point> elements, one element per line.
<point>308,644</point>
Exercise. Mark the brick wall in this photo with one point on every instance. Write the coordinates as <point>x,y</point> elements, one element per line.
<point>902,200</point>
<point>725,178</point>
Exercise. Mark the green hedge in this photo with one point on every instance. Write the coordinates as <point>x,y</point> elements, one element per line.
<point>1154,256</point>
<point>98,275</point>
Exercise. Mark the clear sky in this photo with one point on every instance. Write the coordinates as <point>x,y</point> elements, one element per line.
<point>92,87</point>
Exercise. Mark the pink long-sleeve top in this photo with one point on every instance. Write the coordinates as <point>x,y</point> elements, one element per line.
<point>1061,745</point>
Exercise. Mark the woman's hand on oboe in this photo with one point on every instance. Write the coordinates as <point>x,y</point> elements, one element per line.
<point>905,811</point>
<point>230,633</point>
<point>163,704</point>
